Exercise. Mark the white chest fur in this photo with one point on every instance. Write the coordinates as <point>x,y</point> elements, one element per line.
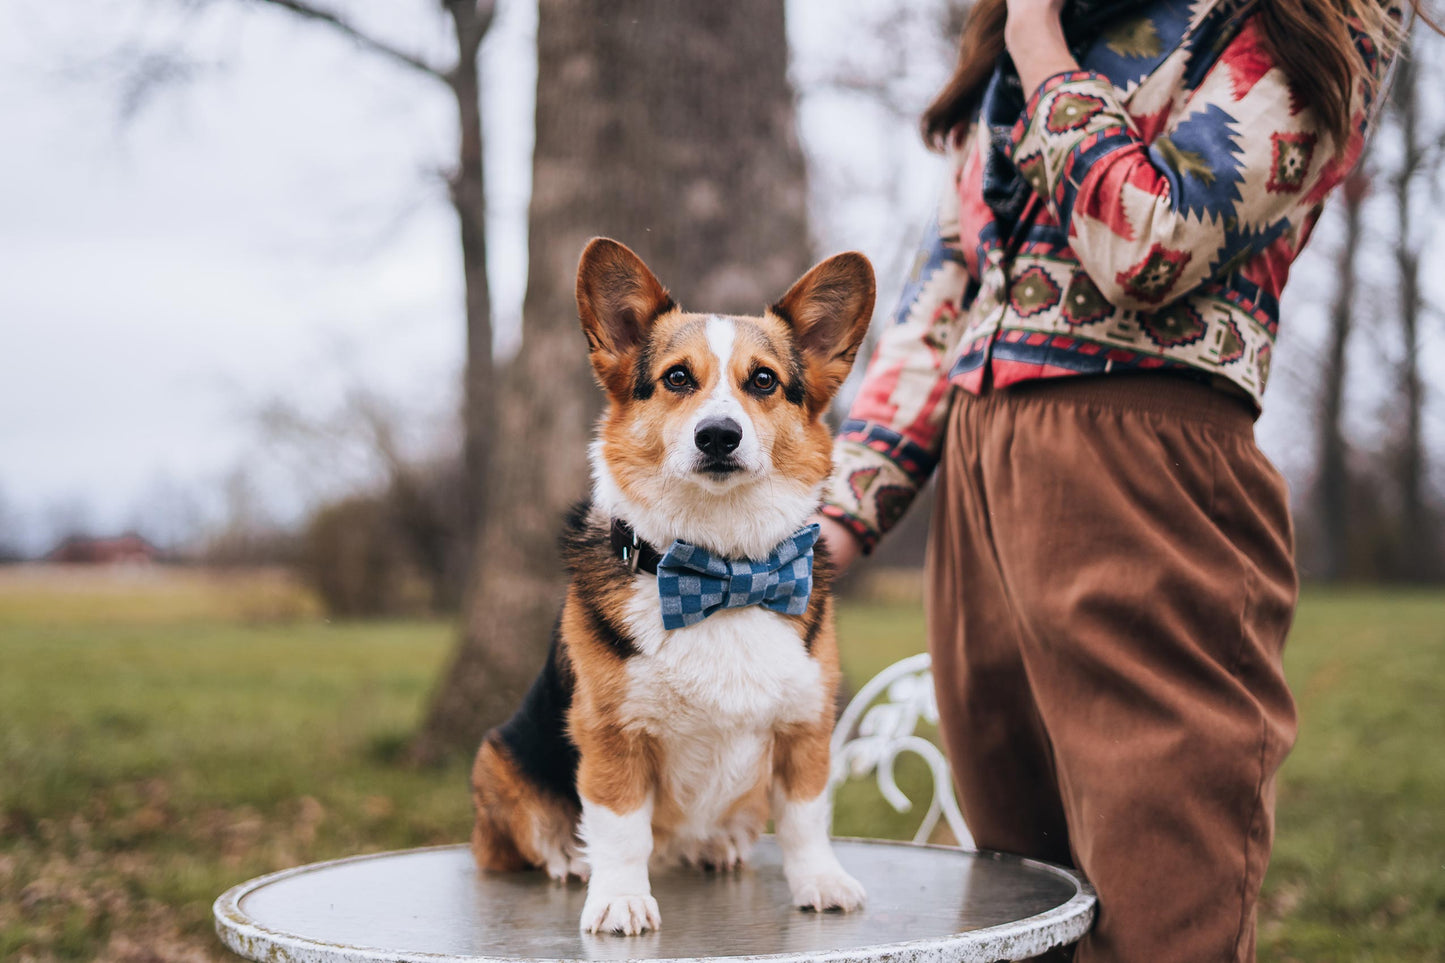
<point>711,694</point>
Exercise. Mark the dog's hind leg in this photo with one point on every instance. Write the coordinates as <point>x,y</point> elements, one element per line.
<point>518,825</point>
<point>493,847</point>
<point>495,799</point>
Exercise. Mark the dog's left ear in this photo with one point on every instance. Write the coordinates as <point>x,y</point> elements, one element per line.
<point>618,299</point>
<point>829,310</point>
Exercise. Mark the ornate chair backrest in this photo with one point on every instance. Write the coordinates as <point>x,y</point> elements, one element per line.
<point>879,725</point>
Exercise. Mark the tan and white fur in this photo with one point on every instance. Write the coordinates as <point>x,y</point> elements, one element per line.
<point>640,746</point>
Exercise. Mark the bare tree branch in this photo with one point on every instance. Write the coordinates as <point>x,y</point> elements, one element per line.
<point>473,18</point>
<point>147,73</point>
<point>305,10</point>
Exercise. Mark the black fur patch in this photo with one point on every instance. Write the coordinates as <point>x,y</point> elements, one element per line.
<point>643,384</point>
<point>608,634</point>
<point>792,379</point>
<point>596,574</point>
<point>818,601</point>
<point>793,384</point>
<point>536,736</point>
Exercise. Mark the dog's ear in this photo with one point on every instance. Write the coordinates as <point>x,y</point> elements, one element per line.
<point>828,311</point>
<point>618,299</point>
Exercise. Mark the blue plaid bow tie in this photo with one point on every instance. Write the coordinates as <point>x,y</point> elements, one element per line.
<point>694,583</point>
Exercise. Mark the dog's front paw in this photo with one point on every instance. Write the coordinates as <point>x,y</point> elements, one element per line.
<point>829,890</point>
<point>626,914</point>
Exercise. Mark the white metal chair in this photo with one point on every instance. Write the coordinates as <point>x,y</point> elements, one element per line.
<point>879,725</point>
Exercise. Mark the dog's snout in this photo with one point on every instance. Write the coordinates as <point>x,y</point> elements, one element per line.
<point>717,437</point>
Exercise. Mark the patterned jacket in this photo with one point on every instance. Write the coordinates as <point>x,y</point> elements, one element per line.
<point>1177,178</point>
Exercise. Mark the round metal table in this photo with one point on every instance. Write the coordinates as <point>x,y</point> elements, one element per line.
<point>925,904</point>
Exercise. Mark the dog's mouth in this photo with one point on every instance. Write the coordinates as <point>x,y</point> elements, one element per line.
<point>718,467</point>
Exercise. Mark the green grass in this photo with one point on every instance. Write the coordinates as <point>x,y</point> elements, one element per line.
<point>151,756</point>
<point>1359,862</point>
<point>147,769</point>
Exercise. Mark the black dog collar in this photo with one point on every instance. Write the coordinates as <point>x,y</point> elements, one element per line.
<point>638,555</point>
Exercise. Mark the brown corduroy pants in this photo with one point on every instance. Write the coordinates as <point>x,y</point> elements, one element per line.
<point>1110,584</point>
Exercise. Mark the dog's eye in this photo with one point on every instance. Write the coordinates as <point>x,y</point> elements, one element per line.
<point>677,378</point>
<point>763,381</point>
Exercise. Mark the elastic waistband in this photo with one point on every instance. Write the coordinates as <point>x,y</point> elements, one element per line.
<point>1169,395</point>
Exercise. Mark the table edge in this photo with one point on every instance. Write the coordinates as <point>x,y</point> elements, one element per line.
<point>1016,940</point>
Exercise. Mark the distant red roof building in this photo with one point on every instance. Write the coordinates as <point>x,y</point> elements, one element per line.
<point>127,549</point>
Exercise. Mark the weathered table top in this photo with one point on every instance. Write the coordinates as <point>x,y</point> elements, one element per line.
<point>925,904</point>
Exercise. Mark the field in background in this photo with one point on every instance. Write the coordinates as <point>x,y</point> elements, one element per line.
<point>39,595</point>
<point>164,735</point>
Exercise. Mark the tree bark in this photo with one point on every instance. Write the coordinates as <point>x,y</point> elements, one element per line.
<point>1416,541</point>
<point>669,126</point>
<point>471,21</point>
<point>1332,478</point>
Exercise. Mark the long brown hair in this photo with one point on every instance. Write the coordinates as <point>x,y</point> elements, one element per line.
<point>1309,39</point>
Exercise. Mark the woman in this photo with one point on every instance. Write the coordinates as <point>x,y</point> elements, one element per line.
<point>1080,355</point>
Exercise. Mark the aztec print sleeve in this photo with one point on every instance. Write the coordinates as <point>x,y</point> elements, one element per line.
<point>890,443</point>
<point>1232,182</point>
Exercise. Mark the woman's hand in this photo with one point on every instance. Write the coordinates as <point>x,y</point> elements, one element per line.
<point>1034,35</point>
<point>843,545</point>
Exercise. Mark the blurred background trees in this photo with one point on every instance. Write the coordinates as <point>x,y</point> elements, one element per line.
<point>443,548</point>
<point>1370,506</point>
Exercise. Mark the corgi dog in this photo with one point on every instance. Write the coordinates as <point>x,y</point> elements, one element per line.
<point>689,691</point>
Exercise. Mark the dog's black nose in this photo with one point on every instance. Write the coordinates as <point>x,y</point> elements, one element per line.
<point>717,437</point>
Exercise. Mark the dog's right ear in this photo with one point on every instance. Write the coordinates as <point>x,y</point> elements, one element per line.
<point>618,299</point>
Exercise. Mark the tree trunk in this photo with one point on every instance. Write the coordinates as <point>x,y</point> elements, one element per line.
<point>468,193</point>
<point>669,126</point>
<point>1332,479</point>
<point>1416,533</point>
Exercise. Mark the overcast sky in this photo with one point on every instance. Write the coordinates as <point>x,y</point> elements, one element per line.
<point>263,228</point>
<point>272,225</point>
